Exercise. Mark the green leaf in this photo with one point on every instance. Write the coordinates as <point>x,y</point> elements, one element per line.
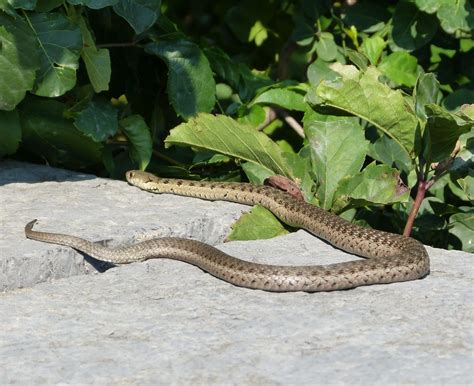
<point>94,4</point>
<point>326,47</point>
<point>386,150</point>
<point>373,48</point>
<point>400,67</point>
<point>330,142</point>
<point>28,5</point>
<point>456,15</point>
<point>412,29</point>
<point>97,120</point>
<point>140,14</point>
<point>97,61</point>
<point>428,6</point>
<point>258,224</point>
<point>258,33</point>
<point>458,98</point>
<point>444,129</point>
<point>467,185</point>
<point>426,91</point>
<point>320,70</point>
<point>191,86</point>
<point>10,132</point>
<point>222,134</point>
<point>283,97</point>
<point>49,135</point>
<point>256,173</point>
<point>376,184</point>
<point>461,225</point>
<point>60,43</point>
<point>138,134</point>
<point>361,94</point>
<point>18,51</point>
<point>358,58</point>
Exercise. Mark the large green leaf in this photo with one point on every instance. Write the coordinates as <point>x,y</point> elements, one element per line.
<point>18,61</point>
<point>376,184</point>
<point>363,95</point>
<point>456,15</point>
<point>444,129</point>
<point>98,120</point>
<point>60,43</point>
<point>191,86</point>
<point>140,14</point>
<point>258,224</point>
<point>400,67</point>
<point>224,135</point>
<point>412,28</point>
<point>331,142</point>
<point>10,132</point>
<point>139,136</point>
<point>51,136</point>
<point>386,150</point>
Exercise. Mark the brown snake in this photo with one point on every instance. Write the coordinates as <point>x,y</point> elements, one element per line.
<point>390,257</point>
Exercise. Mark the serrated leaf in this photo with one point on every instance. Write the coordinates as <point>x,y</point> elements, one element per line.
<point>330,143</point>
<point>98,120</point>
<point>428,6</point>
<point>361,94</point>
<point>376,184</point>
<point>191,86</point>
<point>400,67</point>
<point>456,15</point>
<point>49,135</point>
<point>138,134</point>
<point>60,43</point>
<point>258,224</point>
<point>224,135</point>
<point>140,14</point>
<point>412,29</point>
<point>444,130</point>
<point>18,51</point>
<point>10,132</point>
<point>283,97</point>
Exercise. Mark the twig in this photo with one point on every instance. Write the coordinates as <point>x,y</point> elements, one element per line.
<point>291,122</point>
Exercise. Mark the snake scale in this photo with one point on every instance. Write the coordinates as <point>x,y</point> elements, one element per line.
<point>389,257</point>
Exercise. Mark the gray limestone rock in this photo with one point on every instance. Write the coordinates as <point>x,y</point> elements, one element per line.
<point>166,322</point>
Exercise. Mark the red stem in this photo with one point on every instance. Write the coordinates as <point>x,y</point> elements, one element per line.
<point>423,186</point>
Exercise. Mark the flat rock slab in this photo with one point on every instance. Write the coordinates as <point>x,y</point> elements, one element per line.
<point>166,322</point>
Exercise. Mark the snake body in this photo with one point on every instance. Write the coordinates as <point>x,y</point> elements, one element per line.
<point>389,257</point>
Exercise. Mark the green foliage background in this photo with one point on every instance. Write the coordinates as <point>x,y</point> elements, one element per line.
<point>360,103</point>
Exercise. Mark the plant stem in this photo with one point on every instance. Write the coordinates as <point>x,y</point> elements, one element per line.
<point>423,186</point>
